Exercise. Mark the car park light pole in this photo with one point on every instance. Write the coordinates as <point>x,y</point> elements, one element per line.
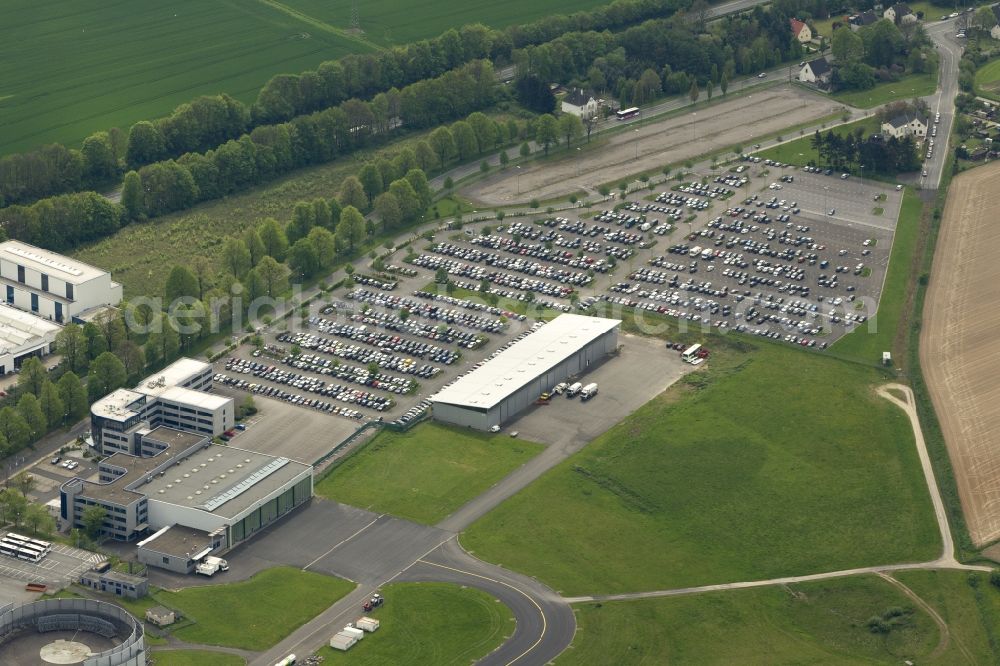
<point>518,179</point>
<point>636,144</point>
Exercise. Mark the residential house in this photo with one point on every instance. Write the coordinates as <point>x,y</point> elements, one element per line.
<point>801,31</point>
<point>899,14</point>
<point>816,71</point>
<point>858,21</point>
<point>907,124</point>
<point>995,30</point>
<point>580,103</point>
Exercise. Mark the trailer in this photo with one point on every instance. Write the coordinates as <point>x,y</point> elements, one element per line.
<point>358,634</point>
<point>368,624</point>
<point>212,565</point>
<point>342,642</point>
<point>287,661</point>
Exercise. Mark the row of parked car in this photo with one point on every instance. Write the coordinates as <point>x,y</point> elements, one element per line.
<point>468,304</point>
<point>274,374</point>
<point>478,273</point>
<point>428,311</point>
<point>441,333</point>
<point>516,264</point>
<point>541,250</point>
<point>288,396</point>
<point>361,354</point>
<point>413,413</point>
<point>674,199</point>
<point>386,342</point>
<point>356,375</point>
<point>510,294</point>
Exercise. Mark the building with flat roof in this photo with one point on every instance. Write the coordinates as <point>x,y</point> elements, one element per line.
<point>115,582</point>
<point>176,397</point>
<point>51,285</point>
<point>495,392</point>
<point>23,335</point>
<point>223,493</point>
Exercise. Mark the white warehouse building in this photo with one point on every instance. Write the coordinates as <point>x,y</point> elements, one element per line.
<point>176,397</point>
<point>494,393</point>
<point>53,286</point>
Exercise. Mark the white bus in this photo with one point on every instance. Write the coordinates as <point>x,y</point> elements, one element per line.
<point>691,353</point>
<point>20,552</point>
<point>625,114</point>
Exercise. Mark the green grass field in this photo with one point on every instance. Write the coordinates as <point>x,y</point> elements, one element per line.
<point>800,151</point>
<point>259,612</point>
<point>971,613</point>
<point>908,87</point>
<point>427,473</point>
<point>814,623</point>
<point>70,69</point>
<point>775,463</point>
<point>988,79</point>
<point>196,658</point>
<point>865,345</point>
<point>389,22</point>
<point>430,623</point>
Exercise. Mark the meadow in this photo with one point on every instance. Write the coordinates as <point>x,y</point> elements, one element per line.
<point>427,473</point>
<point>70,69</point>
<point>430,623</point>
<point>988,79</point>
<point>800,151</point>
<point>908,87</point>
<point>259,612</point>
<point>822,623</point>
<point>196,658</point>
<point>772,463</point>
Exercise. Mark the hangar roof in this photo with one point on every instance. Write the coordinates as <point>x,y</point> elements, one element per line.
<point>505,374</point>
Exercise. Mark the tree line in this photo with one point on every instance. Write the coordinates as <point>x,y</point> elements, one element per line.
<point>878,154</point>
<point>65,221</point>
<point>209,121</point>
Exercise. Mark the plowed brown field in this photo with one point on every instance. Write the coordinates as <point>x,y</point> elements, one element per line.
<point>960,344</point>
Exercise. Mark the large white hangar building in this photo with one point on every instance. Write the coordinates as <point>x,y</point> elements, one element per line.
<point>497,391</point>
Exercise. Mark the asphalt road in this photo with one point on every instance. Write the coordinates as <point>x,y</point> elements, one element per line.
<point>942,33</point>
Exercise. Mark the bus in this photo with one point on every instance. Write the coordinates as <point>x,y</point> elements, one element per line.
<point>20,539</point>
<point>691,354</point>
<point>20,552</point>
<point>625,114</point>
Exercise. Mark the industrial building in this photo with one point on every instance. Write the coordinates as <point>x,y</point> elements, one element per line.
<point>115,582</point>
<point>53,286</point>
<point>175,397</point>
<point>193,497</point>
<point>23,335</point>
<point>498,390</point>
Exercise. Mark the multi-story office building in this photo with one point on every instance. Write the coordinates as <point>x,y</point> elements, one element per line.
<point>175,397</point>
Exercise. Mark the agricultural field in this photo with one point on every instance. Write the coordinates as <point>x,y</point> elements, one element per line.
<point>988,79</point>
<point>705,485</point>
<point>908,87</point>
<point>427,473</point>
<point>808,623</point>
<point>390,22</point>
<point>70,69</point>
<point>259,611</point>
<point>867,346</point>
<point>430,623</point>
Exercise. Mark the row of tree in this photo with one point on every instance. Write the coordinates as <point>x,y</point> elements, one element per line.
<point>876,153</point>
<point>208,121</point>
<point>880,52</point>
<point>66,221</point>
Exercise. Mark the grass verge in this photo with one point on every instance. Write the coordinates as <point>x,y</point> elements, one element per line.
<point>425,474</point>
<point>908,87</point>
<point>196,658</point>
<point>430,623</point>
<point>771,464</point>
<point>258,612</point>
<point>822,622</point>
<point>800,151</point>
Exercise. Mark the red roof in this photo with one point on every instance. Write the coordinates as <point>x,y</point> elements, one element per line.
<point>797,26</point>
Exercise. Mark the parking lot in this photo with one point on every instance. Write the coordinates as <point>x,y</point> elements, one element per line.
<point>63,565</point>
<point>759,248</point>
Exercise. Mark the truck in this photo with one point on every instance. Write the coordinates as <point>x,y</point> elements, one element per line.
<point>588,391</point>
<point>373,603</point>
<point>573,389</point>
<point>211,566</point>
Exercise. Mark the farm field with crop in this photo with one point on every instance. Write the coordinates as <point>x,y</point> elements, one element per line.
<point>70,69</point>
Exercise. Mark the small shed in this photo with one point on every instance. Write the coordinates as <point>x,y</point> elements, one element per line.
<point>886,358</point>
<point>160,616</point>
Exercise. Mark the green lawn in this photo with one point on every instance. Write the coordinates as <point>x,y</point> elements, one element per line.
<point>988,79</point>
<point>70,69</point>
<point>432,624</point>
<point>908,87</point>
<point>800,151</point>
<point>772,463</point>
<point>814,623</point>
<point>196,658</point>
<point>867,345</point>
<point>396,22</point>
<point>257,613</point>
<point>971,613</point>
<point>426,473</point>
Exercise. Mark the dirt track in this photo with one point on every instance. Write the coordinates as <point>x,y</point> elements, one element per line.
<point>735,122</point>
<point>960,344</point>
